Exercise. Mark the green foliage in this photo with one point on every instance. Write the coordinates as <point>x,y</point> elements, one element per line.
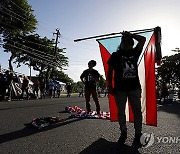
<point>77,85</point>
<point>39,53</point>
<point>16,16</point>
<point>17,23</point>
<point>102,82</point>
<point>61,76</point>
<point>169,71</point>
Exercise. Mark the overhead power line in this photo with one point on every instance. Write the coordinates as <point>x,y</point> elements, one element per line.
<point>11,15</point>
<point>32,49</point>
<point>17,6</point>
<point>34,55</point>
<point>14,13</point>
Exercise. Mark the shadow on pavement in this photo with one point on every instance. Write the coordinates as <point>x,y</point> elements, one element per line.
<point>27,131</point>
<point>102,146</point>
<point>173,107</point>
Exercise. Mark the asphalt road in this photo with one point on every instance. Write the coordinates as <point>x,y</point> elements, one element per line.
<point>80,136</point>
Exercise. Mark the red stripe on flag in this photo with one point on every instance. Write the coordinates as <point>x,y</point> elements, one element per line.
<point>105,57</point>
<point>149,62</point>
<point>112,104</point>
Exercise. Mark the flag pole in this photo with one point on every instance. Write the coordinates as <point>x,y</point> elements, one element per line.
<point>104,35</point>
<point>121,35</point>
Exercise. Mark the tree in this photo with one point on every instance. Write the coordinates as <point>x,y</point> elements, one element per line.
<point>16,18</point>
<point>38,53</point>
<point>61,76</point>
<point>102,82</point>
<point>169,71</point>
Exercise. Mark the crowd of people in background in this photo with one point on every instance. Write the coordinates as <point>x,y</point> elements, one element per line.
<point>21,87</point>
<point>39,89</point>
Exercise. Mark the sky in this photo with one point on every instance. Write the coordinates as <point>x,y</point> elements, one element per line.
<point>79,18</point>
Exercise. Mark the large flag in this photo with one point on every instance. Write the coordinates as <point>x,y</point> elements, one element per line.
<point>151,54</point>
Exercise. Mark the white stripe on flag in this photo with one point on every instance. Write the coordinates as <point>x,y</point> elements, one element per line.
<point>127,111</point>
<point>141,71</point>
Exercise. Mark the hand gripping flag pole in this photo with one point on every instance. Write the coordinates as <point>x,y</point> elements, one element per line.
<point>151,54</point>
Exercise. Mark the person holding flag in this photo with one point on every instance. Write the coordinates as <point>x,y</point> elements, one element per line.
<point>123,82</point>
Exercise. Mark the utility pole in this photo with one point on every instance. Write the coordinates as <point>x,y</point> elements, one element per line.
<point>58,34</point>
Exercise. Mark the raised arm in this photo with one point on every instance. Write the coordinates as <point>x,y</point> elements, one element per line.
<point>141,39</point>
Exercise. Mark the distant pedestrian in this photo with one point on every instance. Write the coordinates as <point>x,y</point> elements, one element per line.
<point>2,87</point>
<point>99,91</point>
<point>55,87</point>
<point>58,86</point>
<point>25,87</point>
<point>69,89</point>
<point>51,88</point>
<point>105,92</point>
<point>89,77</point>
<point>9,80</point>
<point>36,89</point>
<point>164,92</point>
<point>171,97</point>
<point>81,91</point>
<point>43,88</point>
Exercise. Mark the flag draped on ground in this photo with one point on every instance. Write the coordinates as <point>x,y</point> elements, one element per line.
<point>151,54</point>
<point>77,112</point>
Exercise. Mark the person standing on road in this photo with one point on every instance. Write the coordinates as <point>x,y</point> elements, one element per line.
<point>69,89</point>
<point>89,77</point>
<point>51,88</point>
<point>58,89</point>
<point>36,87</point>
<point>9,81</point>
<point>25,87</point>
<point>80,90</point>
<point>2,87</point>
<point>123,63</point>
<point>43,88</point>
<point>164,92</point>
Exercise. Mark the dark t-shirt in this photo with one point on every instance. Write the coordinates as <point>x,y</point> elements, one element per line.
<point>88,75</point>
<point>9,79</point>
<point>124,64</point>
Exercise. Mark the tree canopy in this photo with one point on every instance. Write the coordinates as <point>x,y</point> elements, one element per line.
<point>16,16</point>
<point>17,28</point>
<point>169,71</point>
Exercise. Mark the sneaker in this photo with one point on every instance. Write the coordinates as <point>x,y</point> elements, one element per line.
<point>136,141</point>
<point>122,138</point>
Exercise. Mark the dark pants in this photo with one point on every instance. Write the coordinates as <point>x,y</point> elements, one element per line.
<point>27,93</point>
<point>9,88</point>
<point>88,93</point>
<point>135,101</point>
<point>2,93</point>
